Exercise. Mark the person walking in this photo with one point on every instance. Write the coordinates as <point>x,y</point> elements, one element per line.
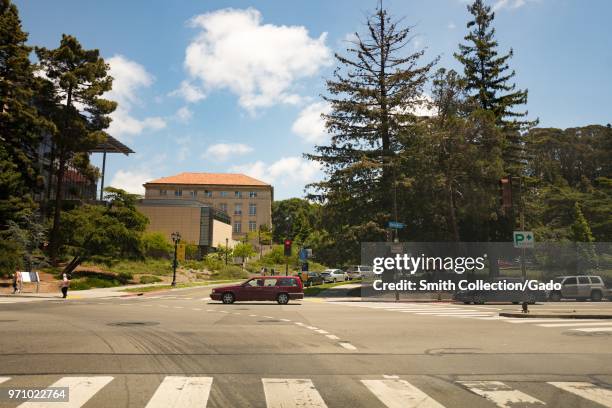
<point>16,282</point>
<point>65,285</point>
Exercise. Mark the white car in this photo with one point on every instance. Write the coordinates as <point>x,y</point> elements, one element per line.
<point>334,275</point>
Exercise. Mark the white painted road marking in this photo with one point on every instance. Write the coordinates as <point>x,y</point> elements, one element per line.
<point>178,392</point>
<point>81,389</point>
<point>499,393</point>
<point>588,391</point>
<point>291,393</point>
<point>594,329</point>
<point>347,345</point>
<point>333,337</point>
<point>574,324</point>
<point>396,393</point>
<point>4,379</point>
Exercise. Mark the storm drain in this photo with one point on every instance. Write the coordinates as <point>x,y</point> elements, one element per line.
<point>133,324</point>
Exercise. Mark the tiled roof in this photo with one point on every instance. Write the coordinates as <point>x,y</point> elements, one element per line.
<point>219,179</point>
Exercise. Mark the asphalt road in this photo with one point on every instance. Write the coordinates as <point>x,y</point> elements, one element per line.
<point>179,349</point>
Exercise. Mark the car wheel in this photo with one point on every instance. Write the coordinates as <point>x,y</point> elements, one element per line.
<point>228,298</point>
<point>282,298</point>
<point>555,296</point>
<point>596,296</point>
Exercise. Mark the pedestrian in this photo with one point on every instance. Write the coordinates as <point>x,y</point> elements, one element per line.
<point>16,282</point>
<point>65,285</point>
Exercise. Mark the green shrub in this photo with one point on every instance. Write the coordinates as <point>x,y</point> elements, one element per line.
<point>124,277</point>
<point>230,272</point>
<point>156,245</point>
<point>10,257</point>
<point>92,282</point>
<point>145,279</point>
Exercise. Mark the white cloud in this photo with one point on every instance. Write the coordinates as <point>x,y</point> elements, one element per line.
<point>184,114</point>
<point>510,4</point>
<point>131,180</point>
<point>223,151</point>
<point>129,78</point>
<point>451,26</point>
<point>309,125</point>
<point>287,171</point>
<point>258,62</point>
<point>189,92</point>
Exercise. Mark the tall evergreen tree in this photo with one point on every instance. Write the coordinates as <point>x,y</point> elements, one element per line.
<point>373,95</point>
<point>78,78</point>
<point>20,123</point>
<point>488,79</point>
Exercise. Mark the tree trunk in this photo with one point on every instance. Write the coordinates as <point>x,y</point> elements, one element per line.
<point>54,244</point>
<point>451,210</point>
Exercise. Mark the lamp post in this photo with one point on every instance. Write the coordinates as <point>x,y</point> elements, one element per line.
<point>176,238</point>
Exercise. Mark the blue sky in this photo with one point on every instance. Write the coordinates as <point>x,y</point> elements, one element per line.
<point>233,86</point>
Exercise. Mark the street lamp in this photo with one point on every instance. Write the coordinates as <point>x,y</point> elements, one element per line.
<point>176,238</point>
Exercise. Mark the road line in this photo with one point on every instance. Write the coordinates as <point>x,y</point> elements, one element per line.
<point>531,320</point>
<point>300,324</point>
<point>574,324</point>
<point>395,393</point>
<point>268,317</point>
<point>210,310</point>
<point>186,298</point>
<point>81,389</point>
<point>285,320</point>
<point>588,391</point>
<point>594,329</point>
<point>236,313</point>
<point>347,345</point>
<point>162,306</point>
<point>291,393</point>
<point>253,315</point>
<point>467,316</point>
<point>178,307</point>
<point>147,305</point>
<point>197,308</point>
<point>224,311</point>
<point>178,392</point>
<point>312,328</point>
<point>4,379</point>
<point>499,393</point>
<point>322,331</point>
<point>333,337</point>
<point>124,304</point>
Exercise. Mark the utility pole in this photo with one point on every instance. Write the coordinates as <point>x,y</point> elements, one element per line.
<point>176,238</point>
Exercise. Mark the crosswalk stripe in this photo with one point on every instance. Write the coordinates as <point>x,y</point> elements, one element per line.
<point>588,391</point>
<point>396,393</point>
<point>291,393</point>
<point>80,390</point>
<point>574,324</point>
<point>594,329</point>
<point>499,393</point>
<point>177,391</point>
<point>4,379</point>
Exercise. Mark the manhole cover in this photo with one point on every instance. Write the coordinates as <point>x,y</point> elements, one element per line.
<point>133,324</point>
<point>588,334</point>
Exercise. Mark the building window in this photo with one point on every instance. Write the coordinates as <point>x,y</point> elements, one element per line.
<point>163,192</point>
<point>238,194</point>
<point>208,193</point>
<point>237,227</point>
<point>252,226</point>
<point>178,193</point>
<point>193,194</point>
<point>223,207</point>
<point>223,193</point>
<point>252,209</point>
<point>238,209</point>
<point>252,194</point>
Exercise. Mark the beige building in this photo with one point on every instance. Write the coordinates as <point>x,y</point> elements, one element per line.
<point>246,200</point>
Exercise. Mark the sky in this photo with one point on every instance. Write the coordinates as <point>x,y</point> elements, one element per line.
<point>235,86</point>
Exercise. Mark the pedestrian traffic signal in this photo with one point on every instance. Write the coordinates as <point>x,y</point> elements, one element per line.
<point>287,247</point>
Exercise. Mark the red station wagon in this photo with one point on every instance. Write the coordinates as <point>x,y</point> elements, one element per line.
<point>278,288</point>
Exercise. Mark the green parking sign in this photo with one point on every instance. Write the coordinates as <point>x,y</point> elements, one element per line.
<point>523,239</point>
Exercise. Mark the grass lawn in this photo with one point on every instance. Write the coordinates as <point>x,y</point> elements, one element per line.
<point>154,288</point>
<point>315,290</point>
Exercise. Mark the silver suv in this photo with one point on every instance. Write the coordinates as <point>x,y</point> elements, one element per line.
<point>580,287</point>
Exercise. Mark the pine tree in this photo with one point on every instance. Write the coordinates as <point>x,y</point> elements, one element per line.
<point>488,77</point>
<point>77,78</point>
<point>20,124</point>
<point>373,95</point>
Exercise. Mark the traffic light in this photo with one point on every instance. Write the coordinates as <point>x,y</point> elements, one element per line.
<point>287,247</point>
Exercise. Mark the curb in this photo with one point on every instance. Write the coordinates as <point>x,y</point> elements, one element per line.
<point>557,316</point>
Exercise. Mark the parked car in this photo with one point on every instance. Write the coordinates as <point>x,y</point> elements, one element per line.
<point>334,275</point>
<point>480,297</point>
<point>580,287</point>
<point>262,288</point>
<point>313,278</point>
<point>358,271</point>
